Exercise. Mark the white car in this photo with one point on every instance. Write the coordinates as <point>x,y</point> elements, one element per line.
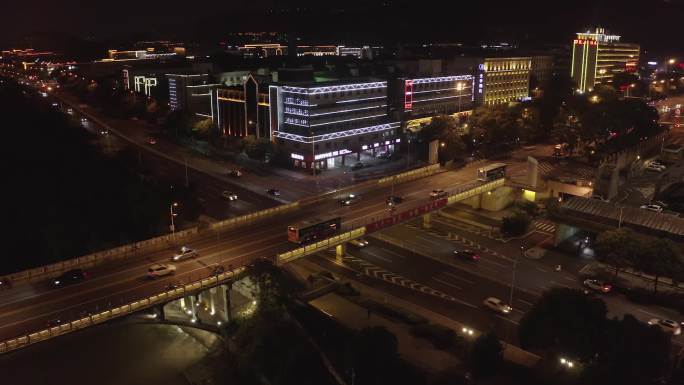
<point>230,196</point>
<point>497,305</point>
<point>652,207</point>
<point>359,242</point>
<point>435,194</point>
<point>595,284</point>
<point>185,252</point>
<point>668,326</point>
<point>160,270</point>
<point>656,167</point>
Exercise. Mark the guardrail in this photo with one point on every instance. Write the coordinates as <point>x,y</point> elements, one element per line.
<point>410,175</point>
<point>468,192</point>
<point>319,246</point>
<point>90,260</point>
<point>119,311</point>
<point>253,216</point>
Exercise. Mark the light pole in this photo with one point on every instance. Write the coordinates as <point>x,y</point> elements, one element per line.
<point>515,268</point>
<point>459,88</point>
<point>173,226</point>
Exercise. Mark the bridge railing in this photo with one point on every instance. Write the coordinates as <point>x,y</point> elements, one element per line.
<point>115,312</point>
<point>254,216</point>
<point>93,259</point>
<point>320,246</point>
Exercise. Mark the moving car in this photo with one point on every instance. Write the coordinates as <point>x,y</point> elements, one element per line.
<point>349,199</point>
<point>104,132</point>
<point>436,194</point>
<point>653,207</point>
<point>394,200</point>
<point>69,277</point>
<point>358,166</point>
<point>53,322</point>
<point>274,192</point>
<point>235,173</point>
<point>468,255</point>
<point>160,270</point>
<point>667,325</point>
<point>655,166</point>
<point>152,141</point>
<point>185,252</point>
<point>497,305</point>
<point>359,242</point>
<point>229,195</point>
<point>596,285</point>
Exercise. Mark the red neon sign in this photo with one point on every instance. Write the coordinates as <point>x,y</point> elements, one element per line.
<point>408,94</point>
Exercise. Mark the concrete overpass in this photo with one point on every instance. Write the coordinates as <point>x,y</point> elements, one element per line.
<point>117,286</point>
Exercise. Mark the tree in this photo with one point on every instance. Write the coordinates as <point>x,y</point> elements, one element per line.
<point>444,129</point>
<point>486,355</point>
<point>531,129</point>
<point>258,148</point>
<point>630,352</point>
<point>564,321</point>
<point>495,129</point>
<point>202,128</point>
<point>516,224</point>
<point>617,248</point>
<point>659,257</point>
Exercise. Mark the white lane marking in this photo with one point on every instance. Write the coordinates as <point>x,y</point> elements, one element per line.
<point>507,319</point>
<point>447,283</point>
<point>542,270</point>
<point>525,302</point>
<point>569,278</point>
<point>395,253</point>
<point>452,275</point>
<point>651,314</point>
<point>380,257</point>
<point>560,284</point>
<point>432,241</point>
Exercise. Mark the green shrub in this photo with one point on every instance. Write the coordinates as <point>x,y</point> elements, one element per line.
<point>516,224</point>
<point>440,336</point>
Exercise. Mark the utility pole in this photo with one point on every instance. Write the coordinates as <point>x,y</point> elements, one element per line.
<point>515,267</point>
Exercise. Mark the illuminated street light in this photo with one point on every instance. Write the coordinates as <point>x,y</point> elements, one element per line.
<point>671,61</point>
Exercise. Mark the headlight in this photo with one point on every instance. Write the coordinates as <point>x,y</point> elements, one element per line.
<point>56,282</point>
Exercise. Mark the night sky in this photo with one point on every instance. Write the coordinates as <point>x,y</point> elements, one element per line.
<point>656,24</point>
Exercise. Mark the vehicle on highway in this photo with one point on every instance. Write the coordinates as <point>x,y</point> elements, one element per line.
<point>160,270</point>
<point>596,285</point>
<point>84,121</point>
<point>5,283</point>
<point>273,191</point>
<point>467,255</point>
<point>104,132</point>
<point>172,286</point>
<point>231,196</point>
<point>394,200</point>
<point>235,173</point>
<point>70,111</point>
<point>667,325</point>
<point>660,203</point>
<point>652,207</point>
<point>185,252</point>
<point>437,194</point>
<point>497,305</point>
<point>359,242</point>
<point>55,104</point>
<point>349,199</point>
<point>152,141</point>
<point>491,172</point>
<point>69,277</point>
<point>53,322</point>
<point>313,230</point>
<point>358,166</point>
<point>656,167</point>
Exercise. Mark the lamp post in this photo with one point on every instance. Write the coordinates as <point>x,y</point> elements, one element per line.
<point>515,268</point>
<point>459,88</point>
<point>173,226</point>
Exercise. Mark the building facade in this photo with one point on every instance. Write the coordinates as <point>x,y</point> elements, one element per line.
<point>598,56</point>
<point>503,80</point>
<point>243,111</point>
<point>192,93</point>
<point>321,124</point>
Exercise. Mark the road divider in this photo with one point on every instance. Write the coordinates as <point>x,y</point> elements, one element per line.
<point>254,216</point>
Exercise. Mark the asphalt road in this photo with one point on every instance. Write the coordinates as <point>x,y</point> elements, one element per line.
<point>419,265</point>
<point>27,307</point>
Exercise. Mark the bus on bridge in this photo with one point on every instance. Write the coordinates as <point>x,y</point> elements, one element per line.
<point>491,172</point>
<point>313,230</point>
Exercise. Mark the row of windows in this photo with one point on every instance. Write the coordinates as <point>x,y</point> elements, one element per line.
<point>339,94</point>
<point>296,101</point>
<point>343,143</point>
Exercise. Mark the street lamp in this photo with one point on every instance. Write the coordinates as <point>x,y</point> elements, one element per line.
<point>173,227</point>
<point>459,88</point>
<point>515,268</point>
<point>672,61</point>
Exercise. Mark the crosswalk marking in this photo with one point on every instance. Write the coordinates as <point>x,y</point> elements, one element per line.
<point>372,270</point>
<point>545,227</point>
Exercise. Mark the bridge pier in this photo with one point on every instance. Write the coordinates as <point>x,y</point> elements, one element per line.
<point>340,250</point>
<point>426,221</point>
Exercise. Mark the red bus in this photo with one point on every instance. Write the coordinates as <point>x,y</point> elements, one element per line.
<point>313,230</point>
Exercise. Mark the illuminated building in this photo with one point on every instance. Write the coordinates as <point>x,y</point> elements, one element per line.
<point>322,123</point>
<point>245,110</point>
<point>423,98</point>
<point>192,93</point>
<point>597,56</point>
<point>498,80</point>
